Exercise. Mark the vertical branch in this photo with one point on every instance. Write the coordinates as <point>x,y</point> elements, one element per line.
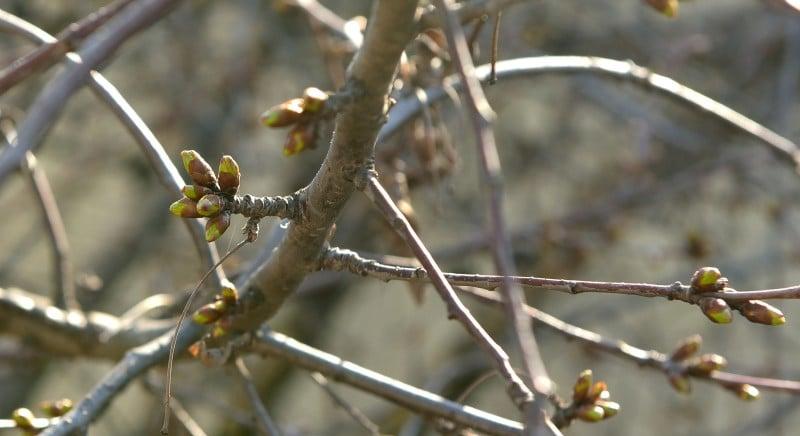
<point>481,114</point>
<point>520,393</point>
<point>266,425</point>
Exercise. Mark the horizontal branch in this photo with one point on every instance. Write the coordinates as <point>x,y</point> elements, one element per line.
<point>645,358</point>
<point>284,206</point>
<point>338,259</point>
<point>625,71</point>
<point>415,399</point>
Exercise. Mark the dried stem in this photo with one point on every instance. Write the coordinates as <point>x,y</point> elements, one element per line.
<point>481,116</point>
<point>266,425</point>
<point>50,53</point>
<point>519,392</point>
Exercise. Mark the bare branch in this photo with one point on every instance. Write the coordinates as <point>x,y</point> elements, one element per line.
<point>625,71</point>
<point>266,425</point>
<point>50,53</point>
<point>165,170</point>
<point>281,346</point>
<point>518,391</point>
<point>481,116</point>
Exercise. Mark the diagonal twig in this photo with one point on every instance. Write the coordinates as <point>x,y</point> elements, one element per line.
<point>266,425</point>
<point>518,391</point>
<point>357,415</point>
<point>481,116</point>
<point>49,53</point>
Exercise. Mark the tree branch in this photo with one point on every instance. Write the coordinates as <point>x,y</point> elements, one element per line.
<point>266,425</point>
<point>278,345</point>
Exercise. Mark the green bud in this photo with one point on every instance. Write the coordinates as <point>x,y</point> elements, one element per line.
<point>301,137</point>
<point>314,99</point>
<point>229,175</point>
<point>56,408</point>
<point>762,313</point>
<point>210,205</point>
<point>229,295</point>
<point>217,225</point>
<point>706,364</point>
<point>284,114</point>
<point>686,348</point>
<point>590,413</point>
<point>705,279</point>
<point>23,417</point>
<point>610,408</point>
<point>582,385</point>
<point>195,192</point>
<point>666,7</point>
<point>716,309</point>
<point>209,313</point>
<point>680,383</point>
<point>184,208</point>
<point>747,392</point>
<point>199,170</point>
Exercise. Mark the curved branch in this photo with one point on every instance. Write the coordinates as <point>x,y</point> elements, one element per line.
<point>625,71</point>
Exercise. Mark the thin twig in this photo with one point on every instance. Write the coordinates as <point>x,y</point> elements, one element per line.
<point>410,397</point>
<point>357,415</point>
<point>481,116</point>
<point>64,294</point>
<point>644,358</point>
<point>266,425</point>
<point>519,392</point>
<point>186,420</point>
<point>48,54</point>
<point>495,48</point>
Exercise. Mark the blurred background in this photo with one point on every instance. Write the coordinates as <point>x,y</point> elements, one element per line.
<point>603,181</point>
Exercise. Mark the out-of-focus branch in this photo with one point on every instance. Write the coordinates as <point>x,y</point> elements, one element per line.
<point>50,53</point>
<point>97,48</point>
<point>481,117</point>
<point>165,170</point>
<point>64,292</point>
<point>265,423</point>
<point>784,148</point>
<point>517,389</point>
<point>644,358</point>
<point>417,400</point>
<point>351,410</point>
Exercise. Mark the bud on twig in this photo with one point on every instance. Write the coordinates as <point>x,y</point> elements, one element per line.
<point>229,295</point>
<point>679,382</point>
<point>184,208</point>
<point>301,136</point>
<point>716,309</point>
<point>210,313</point>
<point>195,192</point>
<point>610,408</point>
<point>210,205</point>
<point>284,114</point>
<point>762,313</point>
<point>705,280</point>
<point>599,390</point>
<point>229,175</point>
<point>747,392</point>
<point>686,348</point>
<point>590,413</point>
<point>666,7</point>
<point>582,385</point>
<point>23,417</point>
<point>217,225</point>
<point>706,364</point>
<point>56,408</point>
<point>198,169</point>
<point>314,99</point>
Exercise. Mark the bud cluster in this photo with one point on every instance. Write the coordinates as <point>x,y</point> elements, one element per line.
<point>25,420</point>
<point>208,195</point>
<point>684,362</point>
<point>213,313</point>
<point>709,279</point>
<point>301,114</point>
<point>590,401</point>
